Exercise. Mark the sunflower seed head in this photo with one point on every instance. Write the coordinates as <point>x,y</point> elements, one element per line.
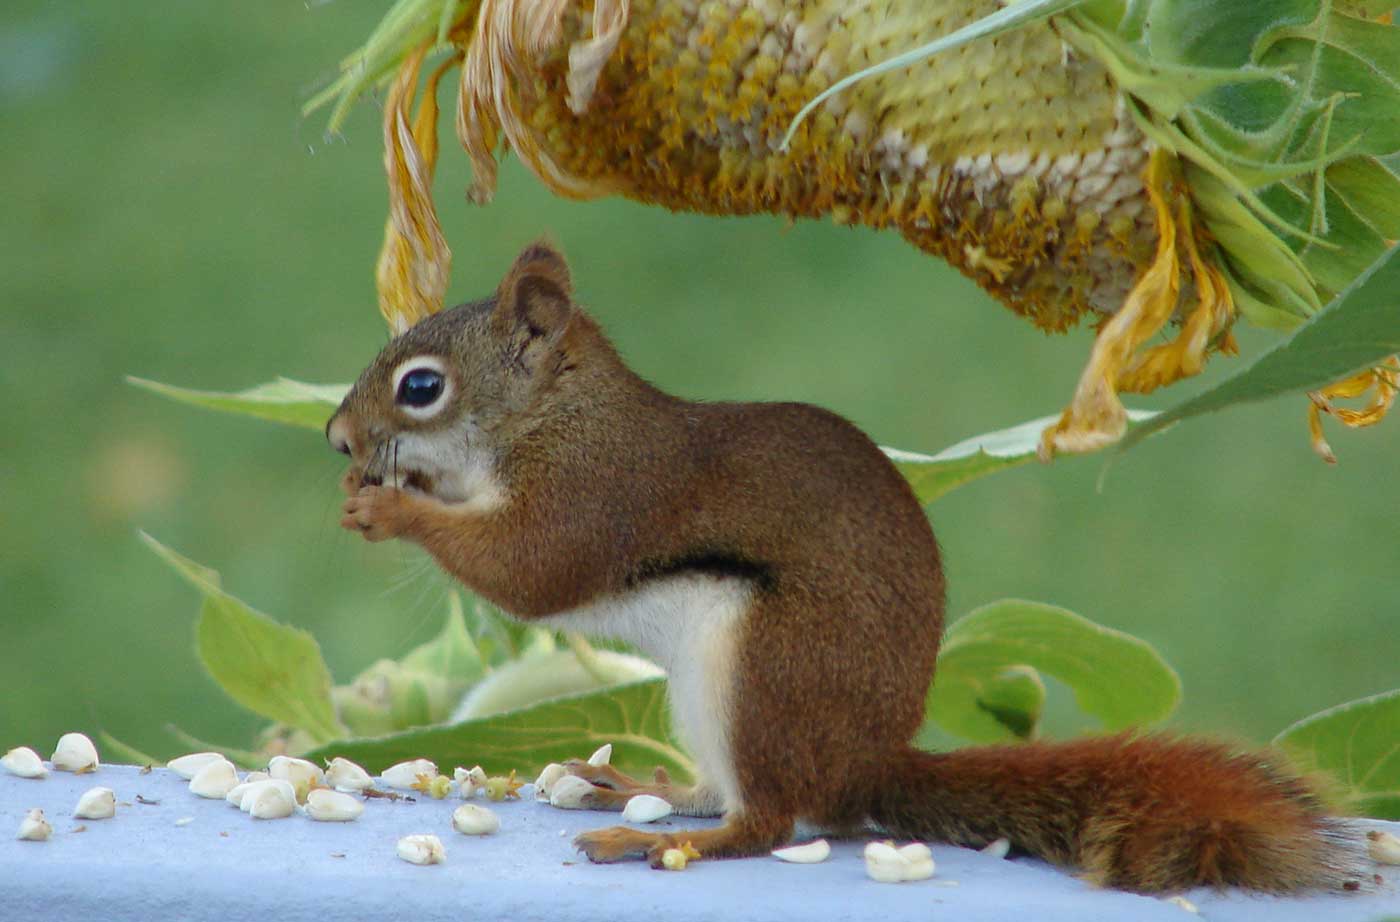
<point>75,753</point>
<point>24,762</point>
<point>96,804</point>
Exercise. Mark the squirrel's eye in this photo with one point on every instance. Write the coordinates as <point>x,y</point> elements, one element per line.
<point>420,387</point>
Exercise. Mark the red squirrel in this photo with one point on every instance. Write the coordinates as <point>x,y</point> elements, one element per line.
<point>777,565</point>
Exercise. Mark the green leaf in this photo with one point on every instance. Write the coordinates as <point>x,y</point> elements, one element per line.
<point>295,403</point>
<point>1115,677</point>
<point>270,668</point>
<point>931,476</point>
<point>114,750</point>
<point>1358,743</point>
<point>452,654</point>
<point>631,717</point>
<point>1360,327</point>
<point>987,705</point>
<point>541,676</point>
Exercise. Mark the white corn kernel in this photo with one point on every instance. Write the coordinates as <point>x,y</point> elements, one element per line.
<point>24,762</point>
<point>475,820</point>
<point>810,853</point>
<point>1383,847</point>
<point>421,850</point>
<point>188,766</point>
<point>545,782</point>
<point>646,808</point>
<point>214,780</point>
<point>1182,902</point>
<point>270,800</point>
<point>997,848</point>
<point>405,774</point>
<point>34,827</point>
<point>346,776</point>
<point>568,793</point>
<point>329,806</point>
<point>601,756</point>
<point>75,753</point>
<point>96,804</point>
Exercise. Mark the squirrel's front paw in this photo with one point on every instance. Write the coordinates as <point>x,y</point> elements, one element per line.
<point>377,512</point>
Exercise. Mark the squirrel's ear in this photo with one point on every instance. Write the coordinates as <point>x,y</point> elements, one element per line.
<point>533,300</point>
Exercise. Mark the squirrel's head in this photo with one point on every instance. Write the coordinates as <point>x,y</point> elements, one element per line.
<point>431,410</point>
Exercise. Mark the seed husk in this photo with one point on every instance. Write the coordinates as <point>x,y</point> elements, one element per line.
<point>96,804</point>
<point>813,852</point>
<point>214,780</point>
<point>421,849</point>
<point>646,808</point>
<point>188,766</point>
<point>347,776</point>
<point>75,753</point>
<point>327,806</point>
<point>405,774</point>
<point>601,756</point>
<point>34,827</point>
<point>475,820</point>
<point>24,762</point>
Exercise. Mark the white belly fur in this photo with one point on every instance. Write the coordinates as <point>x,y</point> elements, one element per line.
<point>688,625</point>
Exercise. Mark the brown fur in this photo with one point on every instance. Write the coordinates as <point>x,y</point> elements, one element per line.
<point>611,483</point>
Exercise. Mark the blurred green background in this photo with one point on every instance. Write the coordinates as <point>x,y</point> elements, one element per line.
<point>168,213</point>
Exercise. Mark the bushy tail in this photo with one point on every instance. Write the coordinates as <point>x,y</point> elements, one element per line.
<point>1142,813</point>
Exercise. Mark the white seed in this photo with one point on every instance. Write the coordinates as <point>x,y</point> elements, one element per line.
<point>469,783</point>
<point>1183,903</point>
<point>184,821</point>
<point>1383,847</point>
<point>270,800</point>
<point>24,762</point>
<point>674,859</point>
<point>96,804</point>
<point>404,774</point>
<point>601,756</point>
<point>475,820</point>
<point>920,860</point>
<point>256,776</point>
<point>646,808</point>
<point>809,853</point>
<point>214,780</point>
<point>568,793</point>
<point>301,774</point>
<point>34,827</point>
<point>890,865</point>
<point>188,766</point>
<point>249,791</point>
<point>329,806</point>
<point>545,782</point>
<point>347,776</point>
<point>884,863</point>
<point>421,850</point>
<point>997,848</point>
<point>75,753</point>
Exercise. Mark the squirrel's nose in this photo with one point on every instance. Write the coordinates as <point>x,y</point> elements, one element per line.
<point>338,434</point>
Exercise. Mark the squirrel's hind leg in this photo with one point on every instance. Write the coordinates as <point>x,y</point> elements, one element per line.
<point>612,789</point>
<point>742,834</point>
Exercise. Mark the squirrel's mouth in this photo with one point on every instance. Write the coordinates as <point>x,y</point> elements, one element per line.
<point>405,480</point>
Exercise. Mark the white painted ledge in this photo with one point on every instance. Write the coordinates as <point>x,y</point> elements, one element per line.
<point>224,866</point>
